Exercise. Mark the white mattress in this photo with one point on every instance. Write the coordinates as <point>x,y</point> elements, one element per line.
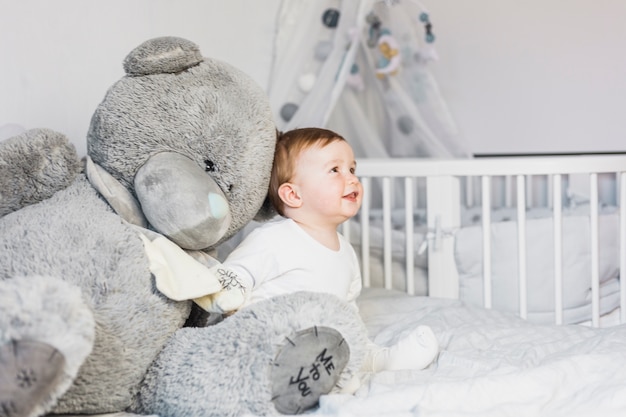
<point>490,364</point>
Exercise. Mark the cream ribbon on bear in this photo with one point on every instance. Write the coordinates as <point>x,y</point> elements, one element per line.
<point>178,275</point>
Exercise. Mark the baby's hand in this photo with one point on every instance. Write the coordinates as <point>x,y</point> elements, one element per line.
<point>231,298</point>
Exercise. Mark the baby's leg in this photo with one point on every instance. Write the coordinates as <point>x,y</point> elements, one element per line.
<point>414,351</point>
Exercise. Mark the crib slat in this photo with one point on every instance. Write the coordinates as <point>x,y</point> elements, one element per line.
<point>595,257</point>
<point>557,209</point>
<point>486,216</point>
<point>521,246</point>
<point>410,236</point>
<point>387,232</point>
<point>622,244</point>
<point>443,213</point>
<point>365,231</point>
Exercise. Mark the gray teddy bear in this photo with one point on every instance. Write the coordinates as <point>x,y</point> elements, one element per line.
<point>179,151</point>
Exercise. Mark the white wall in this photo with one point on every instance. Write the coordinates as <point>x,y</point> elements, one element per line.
<point>519,76</point>
<point>58,58</point>
<point>534,75</point>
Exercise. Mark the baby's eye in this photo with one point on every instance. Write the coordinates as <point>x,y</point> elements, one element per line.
<point>335,169</point>
<point>352,171</point>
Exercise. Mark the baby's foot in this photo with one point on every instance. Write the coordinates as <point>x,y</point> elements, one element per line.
<point>349,387</point>
<point>415,351</point>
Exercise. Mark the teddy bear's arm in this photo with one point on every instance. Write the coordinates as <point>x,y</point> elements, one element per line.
<point>33,166</point>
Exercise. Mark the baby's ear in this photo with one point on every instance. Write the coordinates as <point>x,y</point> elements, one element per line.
<point>266,211</point>
<point>288,193</point>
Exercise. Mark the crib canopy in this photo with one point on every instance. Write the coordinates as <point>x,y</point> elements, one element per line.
<point>360,67</point>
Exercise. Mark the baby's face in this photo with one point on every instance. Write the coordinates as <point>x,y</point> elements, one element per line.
<point>326,180</point>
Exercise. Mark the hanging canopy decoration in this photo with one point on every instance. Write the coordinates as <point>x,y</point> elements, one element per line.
<point>360,67</point>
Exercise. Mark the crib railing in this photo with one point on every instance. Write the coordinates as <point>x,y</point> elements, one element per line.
<point>447,187</point>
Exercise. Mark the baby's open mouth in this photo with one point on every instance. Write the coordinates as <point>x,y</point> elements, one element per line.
<point>351,196</point>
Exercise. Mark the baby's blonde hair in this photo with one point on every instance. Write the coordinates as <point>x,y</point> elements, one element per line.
<point>289,145</point>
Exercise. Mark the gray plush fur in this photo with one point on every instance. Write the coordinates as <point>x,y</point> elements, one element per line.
<point>76,237</point>
<point>33,166</point>
<point>231,376</point>
<point>68,324</point>
<point>215,116</point>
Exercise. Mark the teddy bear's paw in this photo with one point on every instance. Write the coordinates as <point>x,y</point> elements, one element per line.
<point>29,372</point>
<point>306,367</point>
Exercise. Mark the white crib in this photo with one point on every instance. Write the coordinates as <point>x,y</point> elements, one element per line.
<point>429,259</point>
<point>445,191</point>
<point>501,254</point>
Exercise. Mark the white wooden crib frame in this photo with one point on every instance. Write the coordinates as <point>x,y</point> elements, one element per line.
<point>443,211</point>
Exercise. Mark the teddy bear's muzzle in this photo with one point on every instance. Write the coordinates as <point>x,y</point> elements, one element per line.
<point>181,201</point>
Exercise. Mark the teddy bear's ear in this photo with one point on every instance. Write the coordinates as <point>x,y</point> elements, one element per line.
<point>164,55</point>
<point>118,197</point>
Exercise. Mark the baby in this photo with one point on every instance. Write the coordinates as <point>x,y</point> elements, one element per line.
<point>314,188</point>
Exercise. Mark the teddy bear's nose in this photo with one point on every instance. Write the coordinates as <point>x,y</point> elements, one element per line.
<point>219,205</point>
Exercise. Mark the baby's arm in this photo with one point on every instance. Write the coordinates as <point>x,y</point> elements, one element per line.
<point>243,270</point>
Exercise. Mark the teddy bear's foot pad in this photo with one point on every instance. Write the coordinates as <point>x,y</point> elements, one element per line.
<point>306,367</point>
<point>29,371</point>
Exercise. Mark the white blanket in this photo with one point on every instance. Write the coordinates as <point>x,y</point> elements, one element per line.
<point>490,364</point>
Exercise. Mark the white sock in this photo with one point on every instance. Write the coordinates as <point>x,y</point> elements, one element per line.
<point>415,351</point>
<point>351,386</point>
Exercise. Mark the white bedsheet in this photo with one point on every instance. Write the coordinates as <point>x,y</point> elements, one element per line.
<point>490,364</point>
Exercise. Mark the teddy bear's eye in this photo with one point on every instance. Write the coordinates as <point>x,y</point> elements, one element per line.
<point>209,166</point>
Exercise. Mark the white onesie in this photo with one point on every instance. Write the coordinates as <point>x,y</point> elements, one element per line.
<point>279,257</point>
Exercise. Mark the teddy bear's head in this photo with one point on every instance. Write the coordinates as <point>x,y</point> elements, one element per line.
<point>192,138</point>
